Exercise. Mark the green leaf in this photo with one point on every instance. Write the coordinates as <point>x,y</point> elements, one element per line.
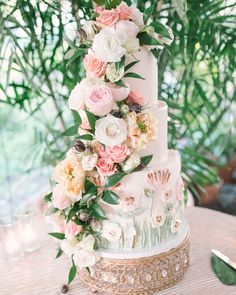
<point>77,118</point>
<point>86,137</point>
<point>92,119</point>
<point>51,211</point>
<point>48,198</point>
<point>146,39</point>
<point>160,29</point>
<point>130,65</point>
<point>149,12</point>
<point>110,197</point>
<point>69,54</point>
<point>89,187</point>
<point>121,84</point>
<point>156,52</point>
<point>98,212</point>
<point>73,130</point>
<point>225,273</point>
<point>59,236</point>
<point>115,3</point>
<point>146,160</point>
<point>99,2</point>
<point>59,253</point>
<point>133,75</point>
<point>72,273</point>
<point>114,179</point>
<point>120,64</point>
<point>71,213</point>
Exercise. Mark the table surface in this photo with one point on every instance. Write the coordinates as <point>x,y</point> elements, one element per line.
<point>38,273</point>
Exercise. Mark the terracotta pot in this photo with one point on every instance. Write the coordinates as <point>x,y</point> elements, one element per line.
<point>209,193</point>
<point>225,173</point>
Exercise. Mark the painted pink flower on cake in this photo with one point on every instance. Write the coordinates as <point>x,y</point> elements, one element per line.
<point>142,128</point>
<point>136,97</point>
<point>107,46</point>
<point>128,202</point>
<point>59,198</point>
<point>107,17</point>
<point>70,175</point>
<point>93,66</point>
<point>158,179</point>
<point>100,100</point>
<point>72,230</point>
<point>111,130</point>
<point>158,218</point>
<point>118,153</point>
<point>124,11</point>
<point>119,93</point>
<point>111,231</point>
<point>106,166</point>
<point>175,225</point>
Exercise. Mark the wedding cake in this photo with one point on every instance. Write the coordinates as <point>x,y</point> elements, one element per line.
<point>118,201</point>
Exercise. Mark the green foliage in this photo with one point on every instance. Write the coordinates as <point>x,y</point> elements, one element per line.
<point>110,197</point>
<point>225,273</point>
<point>58,236</point>
<point>72,273</point>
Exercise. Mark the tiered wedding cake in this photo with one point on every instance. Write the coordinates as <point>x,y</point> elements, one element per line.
<point>119,199</point>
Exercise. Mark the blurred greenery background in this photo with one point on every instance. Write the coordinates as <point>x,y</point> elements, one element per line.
<point>196,78</point>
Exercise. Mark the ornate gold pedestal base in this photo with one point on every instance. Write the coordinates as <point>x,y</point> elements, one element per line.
<point>139,276</point>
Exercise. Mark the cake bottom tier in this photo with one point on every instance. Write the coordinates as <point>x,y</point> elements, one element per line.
<point>138,276</point>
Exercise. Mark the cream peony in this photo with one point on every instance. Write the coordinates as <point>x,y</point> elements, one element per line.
<point>131,163</point>
<point>69,247</point>
<point>111,231</point>
<point>90,29</point>
<point>142,129</point>
<point>88,162</point>
<point>107,46</point>
<point>113,74</point>
<point>132,45</point>
<point>87,243</point>
<point>84,258</point>
<point>111,130</point>
<point>126,30</point>
<point>71,176</point>
<point>80,92</point>
<point>137,16</point>
<point>72,230</point>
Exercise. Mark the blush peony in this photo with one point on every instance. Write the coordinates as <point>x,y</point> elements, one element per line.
<point>100,100</point>
<point>72,230</point>
<point>105,166</point>
<point>59,198</point>
<point>136,97</point>
<point>125,11</point>
<point>119,93</point>
<point>107,17</point>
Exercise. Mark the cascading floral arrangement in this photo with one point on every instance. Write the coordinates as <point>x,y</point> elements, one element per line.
<point>111,126</point>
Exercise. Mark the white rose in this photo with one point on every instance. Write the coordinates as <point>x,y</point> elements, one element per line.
<point>88,162</point>
<point>87,243</point>
<point>111,130</point>
<point>132,45</point>
<point>111,231</point>
<point>84,258</point>
<point>119,93</point>
<point>89,29</point>
<point>137,16</point>
<point>69,247</point>
<point>132,162</point>
<point>113,74</point>
<point>81,91</point>
<point>107,46</point>
<point>126,30</point>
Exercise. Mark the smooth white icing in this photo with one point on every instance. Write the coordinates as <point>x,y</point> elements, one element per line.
<point>147,68</point>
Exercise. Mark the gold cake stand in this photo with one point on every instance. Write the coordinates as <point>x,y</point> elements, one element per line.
<point>139,276</point>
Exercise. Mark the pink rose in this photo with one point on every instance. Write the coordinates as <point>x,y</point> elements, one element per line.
<point>118,153</point>
<point>107,17</point>
<point>136,97</point>
<point>125,12</point>
<point>119,93</point>
<point>106,166</point>
<point>102,152</point>
<point>72,230</point>
<point>59,198</point>
<point>100,100</point>
<point>94,67</point>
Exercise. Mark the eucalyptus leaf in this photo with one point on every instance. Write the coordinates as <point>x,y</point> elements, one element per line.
<point>59,236</point>
<point>110,197</point>
<point>225,273</point>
